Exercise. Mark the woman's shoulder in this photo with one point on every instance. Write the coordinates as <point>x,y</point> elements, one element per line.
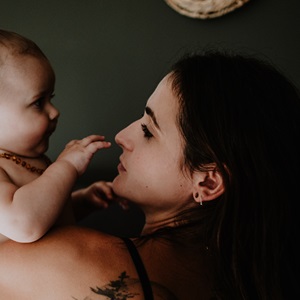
<point>110,264</point>
<point>74,235</point>
<point>68,262</point>
<point>83,245</point>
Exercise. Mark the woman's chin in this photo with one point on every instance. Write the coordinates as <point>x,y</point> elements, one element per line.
<point>118,186</point>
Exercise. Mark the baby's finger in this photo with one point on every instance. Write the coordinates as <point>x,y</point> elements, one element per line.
<point>104,188</point>
<point>71,143</point>
<point>91,139</point>
<point>95,146</point>
<point>98,201</point>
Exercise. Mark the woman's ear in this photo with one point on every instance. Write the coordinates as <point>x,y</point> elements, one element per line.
<point>207,185</point>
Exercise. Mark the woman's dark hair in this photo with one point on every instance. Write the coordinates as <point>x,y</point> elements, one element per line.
<point>241,113</point>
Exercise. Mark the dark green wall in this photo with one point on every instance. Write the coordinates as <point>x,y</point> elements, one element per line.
<point>109,55</point>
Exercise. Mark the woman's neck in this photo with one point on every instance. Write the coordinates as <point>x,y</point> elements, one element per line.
<point>155,224</point>
<point>158,220</point>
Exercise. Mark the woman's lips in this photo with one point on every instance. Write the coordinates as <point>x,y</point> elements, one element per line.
<point>121,168</point>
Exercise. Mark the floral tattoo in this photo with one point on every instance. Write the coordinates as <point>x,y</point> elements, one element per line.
<point>115,290</point>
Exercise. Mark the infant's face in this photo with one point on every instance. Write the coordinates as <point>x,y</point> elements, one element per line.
<point>27,116</point>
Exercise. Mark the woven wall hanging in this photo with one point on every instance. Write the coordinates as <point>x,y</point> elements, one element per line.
<point>205,9</point>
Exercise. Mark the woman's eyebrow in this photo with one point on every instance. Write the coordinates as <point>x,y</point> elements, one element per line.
<point>151,114</point>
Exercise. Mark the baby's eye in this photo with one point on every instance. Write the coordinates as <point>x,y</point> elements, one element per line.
<point>147,134</point>
<point>39,103</point>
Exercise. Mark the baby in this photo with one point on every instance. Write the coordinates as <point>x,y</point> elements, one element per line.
<point>33,191</point>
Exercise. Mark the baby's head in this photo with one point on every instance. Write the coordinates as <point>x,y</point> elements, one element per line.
<point>14,45</point>
<point>15,49</point>
<point>27,83</point>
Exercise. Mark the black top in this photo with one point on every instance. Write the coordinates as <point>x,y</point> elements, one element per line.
<point>145,282</point>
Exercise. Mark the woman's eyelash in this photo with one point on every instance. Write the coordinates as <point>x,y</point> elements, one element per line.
<point>147,133</point>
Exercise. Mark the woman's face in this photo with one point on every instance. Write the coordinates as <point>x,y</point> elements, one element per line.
<point>149,170</point>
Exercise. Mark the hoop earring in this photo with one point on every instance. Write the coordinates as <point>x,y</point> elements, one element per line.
<point>196,196</point>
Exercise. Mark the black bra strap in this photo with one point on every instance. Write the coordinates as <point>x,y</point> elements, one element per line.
<point>147,289</point>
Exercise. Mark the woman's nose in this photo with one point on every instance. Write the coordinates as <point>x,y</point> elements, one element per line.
<point>124,138</point>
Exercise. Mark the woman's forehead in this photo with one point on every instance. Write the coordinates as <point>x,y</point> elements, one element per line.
<point>163,103</point>
<point>163,94</point>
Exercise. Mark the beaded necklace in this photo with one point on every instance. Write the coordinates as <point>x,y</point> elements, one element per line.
<point>25,164</point>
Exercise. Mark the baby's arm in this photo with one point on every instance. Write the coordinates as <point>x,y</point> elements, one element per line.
<point>98,195</point>
<point>27,212</point>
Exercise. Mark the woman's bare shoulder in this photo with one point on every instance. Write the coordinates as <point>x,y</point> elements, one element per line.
<point>67,262</point>
<point>78,235</point>
<point>71,263</point>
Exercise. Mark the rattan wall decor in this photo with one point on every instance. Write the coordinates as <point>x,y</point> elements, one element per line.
<point>205,9</point>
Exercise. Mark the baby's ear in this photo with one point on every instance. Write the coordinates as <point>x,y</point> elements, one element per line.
<point>207,185</point>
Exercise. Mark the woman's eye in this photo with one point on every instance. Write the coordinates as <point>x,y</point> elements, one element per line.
<point>147,133</point>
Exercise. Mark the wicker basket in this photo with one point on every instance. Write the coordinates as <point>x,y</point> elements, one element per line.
<point>205,9</point>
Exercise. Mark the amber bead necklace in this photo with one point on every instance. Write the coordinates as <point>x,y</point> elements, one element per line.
<point>19,161</point>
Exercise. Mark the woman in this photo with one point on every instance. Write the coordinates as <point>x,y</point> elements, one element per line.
<point>214,165</point>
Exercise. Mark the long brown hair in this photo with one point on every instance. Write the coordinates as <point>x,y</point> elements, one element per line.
<point>241,113</point>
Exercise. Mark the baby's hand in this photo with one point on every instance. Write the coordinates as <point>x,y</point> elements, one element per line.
<point>100,195</point>
<point>80,152</point>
